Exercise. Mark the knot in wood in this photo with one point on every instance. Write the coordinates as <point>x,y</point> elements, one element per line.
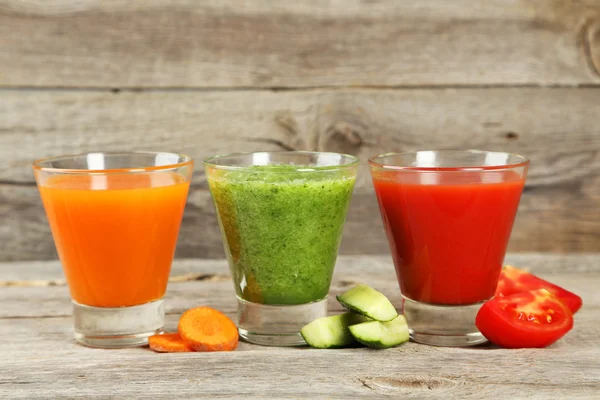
<point>595,48</point>
<point>590,45</point>
<point>344,137</point>
<point>407,383</point>
<point>511,135</point>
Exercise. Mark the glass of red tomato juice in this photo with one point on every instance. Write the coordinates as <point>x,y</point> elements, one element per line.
<point>115,219</point>
<point>448,216</point>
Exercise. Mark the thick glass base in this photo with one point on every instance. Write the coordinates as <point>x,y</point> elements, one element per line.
<point>452,326</point>
<point>117,327</point>
<point>277,325</point>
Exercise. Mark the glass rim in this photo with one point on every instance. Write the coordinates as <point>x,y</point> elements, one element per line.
<point>37,164</point>
<point>524,161</point>
<point>354,161</point>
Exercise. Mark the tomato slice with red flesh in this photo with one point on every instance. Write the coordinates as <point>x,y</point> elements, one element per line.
<point>528,319</point>
<point>513,280</point>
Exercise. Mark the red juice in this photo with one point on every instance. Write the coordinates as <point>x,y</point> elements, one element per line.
<point>448,230</point>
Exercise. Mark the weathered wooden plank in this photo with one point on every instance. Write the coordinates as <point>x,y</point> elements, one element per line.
<point>41,349</point>
<point>38,349</point>
<point>556,128</point>
<point>187,43</point>
<point>558,220</point>
<point>23,292</point>
<point>215,290</point>
<point>44,273</point>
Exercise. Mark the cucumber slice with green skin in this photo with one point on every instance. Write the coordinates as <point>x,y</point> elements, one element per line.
<point>381,335</point>
<point>367,301</point>
<point>331,332</point>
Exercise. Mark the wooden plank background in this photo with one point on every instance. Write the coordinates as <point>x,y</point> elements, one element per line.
<point>261,43</point>
<point>360,77</point>
<point>40,346</point>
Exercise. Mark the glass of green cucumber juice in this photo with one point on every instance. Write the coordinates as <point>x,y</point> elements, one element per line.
<point>281,216</point>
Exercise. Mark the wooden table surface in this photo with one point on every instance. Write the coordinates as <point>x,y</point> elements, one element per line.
<point>40,358</point>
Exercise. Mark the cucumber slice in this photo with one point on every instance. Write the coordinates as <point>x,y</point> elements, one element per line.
<point>381,335</point>
<point>367,301</point>
<point>331,332</point>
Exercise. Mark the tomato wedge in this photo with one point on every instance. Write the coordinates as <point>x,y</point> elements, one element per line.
<point>513,280</point>
<point>528,319</point>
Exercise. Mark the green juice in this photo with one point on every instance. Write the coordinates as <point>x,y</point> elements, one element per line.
<point>281,228</point>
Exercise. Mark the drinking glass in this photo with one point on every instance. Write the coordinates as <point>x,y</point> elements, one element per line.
<point>448,216</point>
<point>281,216</point>
<point>115,219</point>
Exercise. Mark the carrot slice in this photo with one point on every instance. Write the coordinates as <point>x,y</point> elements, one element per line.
<point>168,343</point>
<point>206,329</point>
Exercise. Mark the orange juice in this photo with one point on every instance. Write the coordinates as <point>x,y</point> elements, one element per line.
<point>115,233</point>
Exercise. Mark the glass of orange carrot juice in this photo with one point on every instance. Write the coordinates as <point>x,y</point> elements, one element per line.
<point>115,219</point>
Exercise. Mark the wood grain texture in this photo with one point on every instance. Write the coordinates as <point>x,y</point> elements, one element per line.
<point>188,43</point>
<point>556,127</point>
<point>41,283</point>
<point>40,348</point>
